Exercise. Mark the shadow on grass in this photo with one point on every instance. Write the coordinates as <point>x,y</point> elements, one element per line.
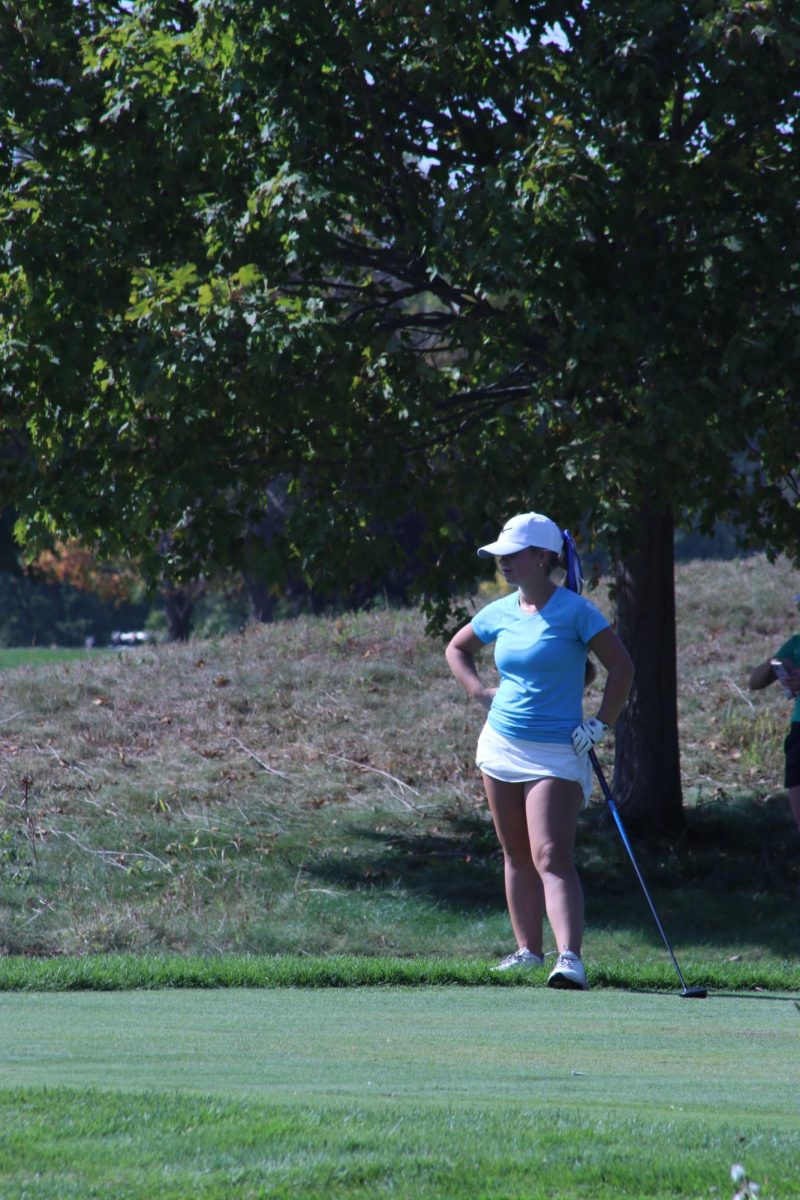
<point>731,877</point>
<point>762,996</point>
<point>454,861</point>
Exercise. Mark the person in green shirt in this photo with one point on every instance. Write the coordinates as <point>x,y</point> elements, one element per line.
<point>785,666</point>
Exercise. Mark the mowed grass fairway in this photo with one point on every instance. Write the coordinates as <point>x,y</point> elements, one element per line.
<point>40,656</point>
<point>414,1092</point>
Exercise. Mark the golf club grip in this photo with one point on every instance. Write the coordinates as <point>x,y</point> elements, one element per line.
<point>593,759</point>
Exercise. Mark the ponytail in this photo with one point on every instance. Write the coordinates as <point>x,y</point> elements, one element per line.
<point>572,564</point>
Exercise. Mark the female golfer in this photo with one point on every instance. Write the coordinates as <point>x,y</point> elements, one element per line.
<point>786,666</point>
<point>532,751</point>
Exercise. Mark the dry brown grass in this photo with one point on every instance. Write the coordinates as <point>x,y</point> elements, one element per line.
<point>195,796</point>
<point>289,706</point>
<point>189,770</point>
<point>732,616</point>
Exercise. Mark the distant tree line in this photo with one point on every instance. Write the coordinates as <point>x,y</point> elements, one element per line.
<point>40,606</point>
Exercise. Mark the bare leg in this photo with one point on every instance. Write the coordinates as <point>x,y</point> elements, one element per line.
<point>553,806</point>
<point>524,892</point>
<point>794,803</point>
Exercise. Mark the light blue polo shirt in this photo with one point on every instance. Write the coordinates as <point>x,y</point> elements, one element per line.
<point>541,658</point>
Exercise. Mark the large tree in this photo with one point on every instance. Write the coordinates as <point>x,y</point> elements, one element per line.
<point>449,259</point>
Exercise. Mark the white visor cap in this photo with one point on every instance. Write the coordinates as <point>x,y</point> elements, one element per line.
<point>527,529</point>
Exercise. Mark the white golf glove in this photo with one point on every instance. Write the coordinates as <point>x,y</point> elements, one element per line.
<point>587,734</point>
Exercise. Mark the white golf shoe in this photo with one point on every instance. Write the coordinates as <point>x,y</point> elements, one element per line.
<point>568,972</point>
<point>520,958</point>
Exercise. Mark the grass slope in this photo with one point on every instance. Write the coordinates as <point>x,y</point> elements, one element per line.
<point>309,787</point>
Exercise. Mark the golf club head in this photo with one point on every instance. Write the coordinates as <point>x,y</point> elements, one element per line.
<point>696,993</point>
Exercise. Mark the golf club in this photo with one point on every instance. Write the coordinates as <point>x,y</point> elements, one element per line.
<point>693,993</point>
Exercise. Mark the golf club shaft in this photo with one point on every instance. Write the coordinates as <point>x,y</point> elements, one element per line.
<point>612,806</point>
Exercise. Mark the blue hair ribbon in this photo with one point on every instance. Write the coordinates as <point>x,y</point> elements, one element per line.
<point>574,568</point>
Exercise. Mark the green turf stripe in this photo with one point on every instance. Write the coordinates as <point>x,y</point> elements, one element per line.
<point>111,972</point>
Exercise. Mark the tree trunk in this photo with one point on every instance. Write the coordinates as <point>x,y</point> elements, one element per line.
<point>647,775</point>
<point>261,597</point>
<point>179,608</point>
